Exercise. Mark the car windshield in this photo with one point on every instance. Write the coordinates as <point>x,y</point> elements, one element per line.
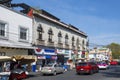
<point>49,65</point>
<point>82,64</point>
<point>101,63</point>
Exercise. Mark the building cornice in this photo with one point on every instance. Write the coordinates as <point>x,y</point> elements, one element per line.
<point>38,13</point>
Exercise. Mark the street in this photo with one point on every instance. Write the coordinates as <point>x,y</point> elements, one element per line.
<point>111,74</point>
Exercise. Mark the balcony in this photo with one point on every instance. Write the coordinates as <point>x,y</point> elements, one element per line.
<point>60,45</point>
<point>67,46</point>
<point>50,43</point>
<point>40,42</point>
<point>78,46</point>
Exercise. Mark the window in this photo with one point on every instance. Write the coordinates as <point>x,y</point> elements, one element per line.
<point>73,41</point>
<point>66,39</point>
<point>40,32</point>
<point>50,33</point>
<point>77,42</point>
<point>23,33</point>
<point>59,37</point>
<point>3,30</point>
<point>83,42</point>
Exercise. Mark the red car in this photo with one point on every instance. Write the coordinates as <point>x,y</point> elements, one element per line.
<point>86,67</point>
<point>17,74</point>
<point>113,63</point>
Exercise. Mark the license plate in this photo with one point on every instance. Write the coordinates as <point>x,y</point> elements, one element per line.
<point>81,69</point>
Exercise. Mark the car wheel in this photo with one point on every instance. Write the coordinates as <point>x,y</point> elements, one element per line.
<point>91,72</point>
<point>54,73</point>
<point>97,71</point>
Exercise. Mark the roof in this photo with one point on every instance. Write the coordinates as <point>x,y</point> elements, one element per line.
<point>38,13</point>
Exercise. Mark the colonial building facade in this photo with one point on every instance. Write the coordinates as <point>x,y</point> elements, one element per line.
<point>56,39</point>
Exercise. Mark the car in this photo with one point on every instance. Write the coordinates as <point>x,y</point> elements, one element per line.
<point>52,69</point>
<point>103,65</point>
<point>113,63</point>
<point>17,74</point>
<point>86,67</point>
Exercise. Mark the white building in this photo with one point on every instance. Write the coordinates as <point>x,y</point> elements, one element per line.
<point>54,38</point>
<point>15,32</point>
<point>100,54</point>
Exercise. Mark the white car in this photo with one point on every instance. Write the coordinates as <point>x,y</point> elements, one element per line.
<point>103,65</point>
<point>52,69</point>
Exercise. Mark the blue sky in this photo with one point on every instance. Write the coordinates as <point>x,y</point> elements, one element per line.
<point>99,19</point>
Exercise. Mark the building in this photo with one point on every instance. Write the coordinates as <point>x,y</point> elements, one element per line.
<point>15,32</point>
<point>100,54</point>
<point>56,40</point>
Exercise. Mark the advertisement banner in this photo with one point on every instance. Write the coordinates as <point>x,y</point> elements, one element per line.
<point>49,51</point>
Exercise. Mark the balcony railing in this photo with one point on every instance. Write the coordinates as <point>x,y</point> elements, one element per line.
<point>40,42</point>
<point>67,46</point>
<point>60,45</point>
<point>51,44</point>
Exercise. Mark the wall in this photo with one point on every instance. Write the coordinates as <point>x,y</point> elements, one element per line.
<point>14,20</point>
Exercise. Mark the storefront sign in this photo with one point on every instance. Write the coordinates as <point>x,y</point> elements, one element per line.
<point>67,51</point>
<point>49,51</point>
<point>60,51</point>
<point>39,51</point>
<point>41,57</point>
<point>54,57</point>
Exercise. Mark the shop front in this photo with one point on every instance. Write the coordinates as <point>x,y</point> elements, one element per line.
<point>45,56</point>
<point>26,61</point>
<point>5,63</point>
<point>63,55</point>
<point>7,52</point>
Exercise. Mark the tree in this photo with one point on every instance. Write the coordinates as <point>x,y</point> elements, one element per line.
<point>115,48</point>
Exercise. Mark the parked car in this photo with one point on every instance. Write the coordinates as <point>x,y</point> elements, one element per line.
<point>103,65</point>
<point>86,67</point>
<point>17,74</point>
<point>113,63</point>
<point>52,69</point>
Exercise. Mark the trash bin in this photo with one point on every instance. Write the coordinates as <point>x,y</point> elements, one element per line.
<point>34,68</point>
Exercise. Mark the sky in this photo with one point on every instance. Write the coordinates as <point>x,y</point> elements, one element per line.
<point>99,19</point>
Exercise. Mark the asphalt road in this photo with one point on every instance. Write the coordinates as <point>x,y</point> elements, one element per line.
<point>111,74</point>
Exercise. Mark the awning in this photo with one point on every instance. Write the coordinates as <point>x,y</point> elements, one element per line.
<point>5,58</point>
<point>13,45</point>
<point>25,59</point>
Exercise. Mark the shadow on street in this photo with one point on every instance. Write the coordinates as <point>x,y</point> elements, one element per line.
<point>114,71</point>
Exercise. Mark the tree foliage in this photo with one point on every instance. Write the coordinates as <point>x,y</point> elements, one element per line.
<point>115,48</point>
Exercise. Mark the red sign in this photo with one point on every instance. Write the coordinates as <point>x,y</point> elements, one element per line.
<point>38,49</point>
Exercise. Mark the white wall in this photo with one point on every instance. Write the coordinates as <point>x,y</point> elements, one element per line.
<point>14,20</point>
<point>56,28</point>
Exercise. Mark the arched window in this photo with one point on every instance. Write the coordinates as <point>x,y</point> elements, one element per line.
<point>59,37</point>
<point>40,32</point>
<point>83,45</point>
<point>66,39</point>
<point>77,42</point>
<point>73,40</point>
<point>83,42</point>
<point>50,33</point>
